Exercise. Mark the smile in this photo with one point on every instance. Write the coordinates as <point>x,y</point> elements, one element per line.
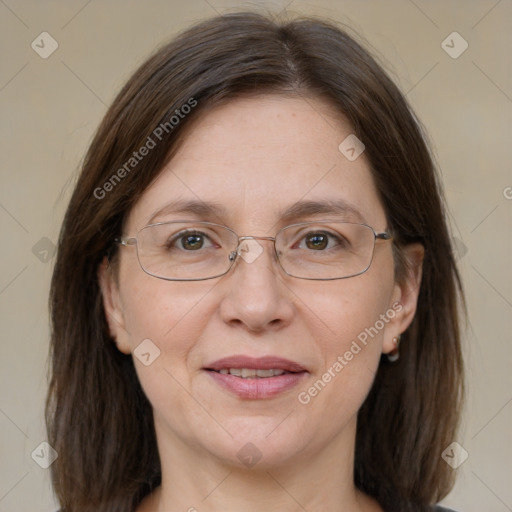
<point>256,378</point>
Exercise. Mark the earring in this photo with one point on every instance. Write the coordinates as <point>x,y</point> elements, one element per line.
<point>394,355</point>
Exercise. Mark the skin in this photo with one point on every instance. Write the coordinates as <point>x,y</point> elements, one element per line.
<point>257,156</point>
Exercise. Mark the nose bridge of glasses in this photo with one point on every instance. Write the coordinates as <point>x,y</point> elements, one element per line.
<point>242,238</point>
<point>248,248</point>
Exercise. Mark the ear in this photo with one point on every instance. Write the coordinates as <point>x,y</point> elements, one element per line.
<point>405,295</point>
<point>112,306</point>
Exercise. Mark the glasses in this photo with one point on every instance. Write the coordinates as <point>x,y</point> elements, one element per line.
<point>195,251</point>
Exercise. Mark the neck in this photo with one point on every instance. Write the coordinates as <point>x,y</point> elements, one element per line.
<point>195,481</point>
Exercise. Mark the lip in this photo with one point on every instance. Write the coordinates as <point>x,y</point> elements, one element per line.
<point>257,388</point>
<point>255,363</point>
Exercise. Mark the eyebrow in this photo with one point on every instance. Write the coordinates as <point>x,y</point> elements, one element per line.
<point>192,207</point>
<point>298,210</point>
<point>338,207</point>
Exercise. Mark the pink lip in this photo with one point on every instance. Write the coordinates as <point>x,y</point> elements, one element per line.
<point>257,388</point>
<point>255,363</point>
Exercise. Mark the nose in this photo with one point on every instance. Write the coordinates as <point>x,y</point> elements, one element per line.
<point>255,295</point>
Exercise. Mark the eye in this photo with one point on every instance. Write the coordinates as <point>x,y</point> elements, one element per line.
<point>189,241</point>
<point>320,240</point>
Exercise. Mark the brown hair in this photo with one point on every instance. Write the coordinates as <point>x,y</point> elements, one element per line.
<point>98,417</point>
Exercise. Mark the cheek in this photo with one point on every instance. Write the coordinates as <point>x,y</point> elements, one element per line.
<point>164,319</point>
<point>157,309</point>
<point>172,316</point>
<point>350,318</point>
<point>341,310</point>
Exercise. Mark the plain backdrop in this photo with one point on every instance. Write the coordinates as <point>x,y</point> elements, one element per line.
<point>50,108</point>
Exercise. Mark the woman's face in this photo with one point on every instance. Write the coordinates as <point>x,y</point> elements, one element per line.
<point>254,158</point>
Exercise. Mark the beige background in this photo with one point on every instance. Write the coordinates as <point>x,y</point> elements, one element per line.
<point>51,107</point>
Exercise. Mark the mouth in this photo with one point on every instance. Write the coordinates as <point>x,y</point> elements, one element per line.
<point>251,373</point>
<point>256,378</point>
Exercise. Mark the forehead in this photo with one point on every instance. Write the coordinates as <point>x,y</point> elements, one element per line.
<point>255,158</point>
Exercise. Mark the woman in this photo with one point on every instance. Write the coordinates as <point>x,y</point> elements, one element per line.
<point>255,303</point>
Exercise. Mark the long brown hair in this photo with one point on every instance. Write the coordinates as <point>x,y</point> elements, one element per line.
<point>98,418</point>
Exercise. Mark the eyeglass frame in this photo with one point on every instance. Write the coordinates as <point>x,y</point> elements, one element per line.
<point>126,241</point>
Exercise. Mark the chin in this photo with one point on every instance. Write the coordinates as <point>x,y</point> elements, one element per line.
<point>259,443</point>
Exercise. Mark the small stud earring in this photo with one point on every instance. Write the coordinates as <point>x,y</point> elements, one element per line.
<point>394,355</point>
